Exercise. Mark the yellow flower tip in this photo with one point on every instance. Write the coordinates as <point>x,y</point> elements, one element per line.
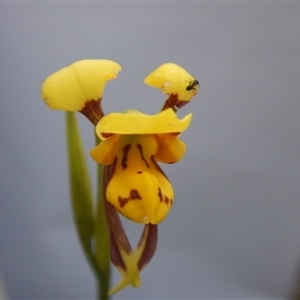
<point>134,122</point>
<point>80,87</point>
<point>119,287</point>
<point>174,81</point>
<point>129,272</point>
<point>122,285</point>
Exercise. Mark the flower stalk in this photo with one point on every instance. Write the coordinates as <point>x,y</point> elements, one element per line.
<point>91,230</point>
<point>101,237</point>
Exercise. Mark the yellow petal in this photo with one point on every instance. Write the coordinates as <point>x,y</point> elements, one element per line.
<point>139,189</point>
<point>105,152</point>
<point>119,287</point>
<point>120,249</point>
<point>173,79</point>
<point>131,276</point>
<point>170,149</point>
<point>71,87</point>
<point>138,259</point>
<point>135,122</point>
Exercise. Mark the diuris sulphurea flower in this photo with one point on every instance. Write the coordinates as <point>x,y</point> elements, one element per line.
<point>131,146</point>
<point>134,143</point>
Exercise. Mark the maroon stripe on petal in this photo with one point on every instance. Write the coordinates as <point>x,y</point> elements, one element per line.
<point>159,169</point>
<point>92,110</point>
<point>126,149</point>
<point>160,195</point>
<point>174,103</point>
<point>150,233</point>
<point>140,147</point>
<point>115,255</point>
<point>118,236</point>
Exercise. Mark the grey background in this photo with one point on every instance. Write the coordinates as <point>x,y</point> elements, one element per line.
<point>234,229</point>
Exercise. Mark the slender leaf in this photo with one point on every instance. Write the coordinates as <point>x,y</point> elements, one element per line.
<point>88,226</point>
<point>80,187</point>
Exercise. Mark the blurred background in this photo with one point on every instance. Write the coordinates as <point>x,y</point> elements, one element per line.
<point>234,229</point>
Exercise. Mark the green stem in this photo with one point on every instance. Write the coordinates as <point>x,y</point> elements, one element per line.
<point>87,225</point>
<point>102,244</point>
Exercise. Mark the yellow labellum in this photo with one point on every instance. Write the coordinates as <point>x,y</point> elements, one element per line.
<point>139,189</point>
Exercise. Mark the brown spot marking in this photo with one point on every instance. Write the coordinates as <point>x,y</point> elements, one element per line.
<point>92,110</point>
<point>126,149</point>
<point>140,172</point>
<point>160,195</point>
<point>140,147</point>
<point>171,202</point>
<point>134,194</point>
<point>166,200</point>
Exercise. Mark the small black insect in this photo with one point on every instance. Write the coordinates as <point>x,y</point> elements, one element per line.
<point>192,85</point>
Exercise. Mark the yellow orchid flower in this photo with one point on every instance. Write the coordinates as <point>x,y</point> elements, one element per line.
<point>131,148</point>
<point>134,142</point>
